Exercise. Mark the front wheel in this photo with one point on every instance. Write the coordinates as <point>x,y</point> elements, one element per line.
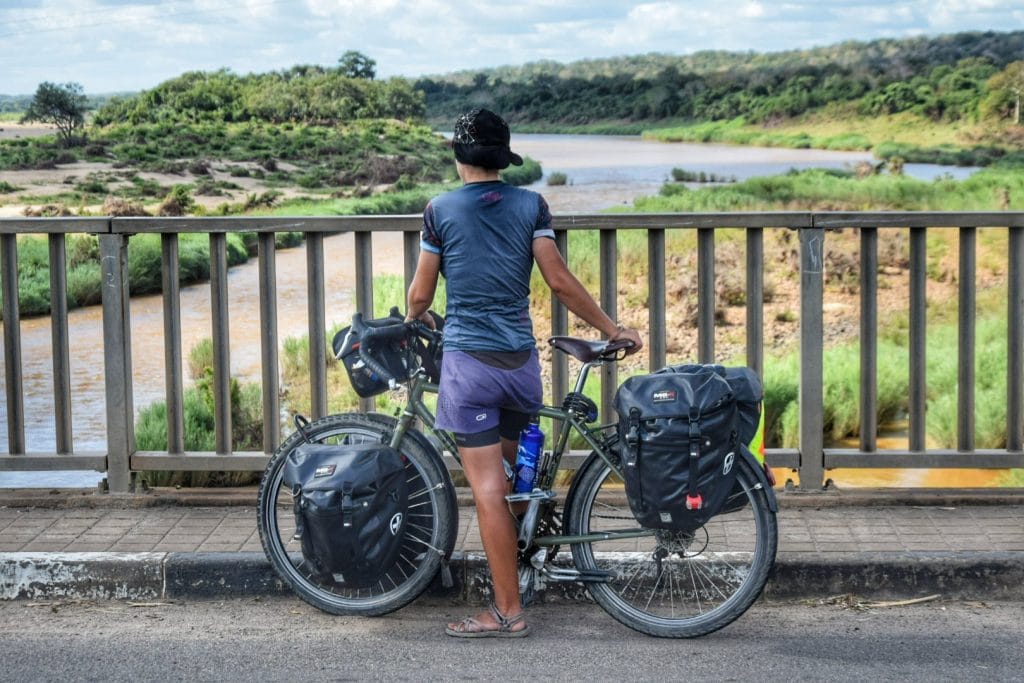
<point>429,534</point>
<point>667,583</point>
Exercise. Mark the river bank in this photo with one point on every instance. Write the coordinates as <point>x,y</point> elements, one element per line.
<point>602,172</point>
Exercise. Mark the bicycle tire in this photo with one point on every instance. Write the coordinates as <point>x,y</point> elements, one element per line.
<point>699,583</point>
<point>429,541</point>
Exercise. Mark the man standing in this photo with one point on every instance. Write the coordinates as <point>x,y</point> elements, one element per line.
<point>484,237</point>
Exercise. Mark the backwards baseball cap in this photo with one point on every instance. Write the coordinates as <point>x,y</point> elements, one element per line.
<point>481,138</point>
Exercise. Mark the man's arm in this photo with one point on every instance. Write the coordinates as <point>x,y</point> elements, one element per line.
<point>571,292</point>
<point>424,284</point>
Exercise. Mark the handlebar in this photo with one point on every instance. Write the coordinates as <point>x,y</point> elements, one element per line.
<point>376,332</point>
<point>379,332</point>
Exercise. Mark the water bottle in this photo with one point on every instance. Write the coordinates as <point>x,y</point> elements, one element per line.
<point>531,443</point>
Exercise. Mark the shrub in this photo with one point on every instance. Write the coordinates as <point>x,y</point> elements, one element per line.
<point>529,172</point>
<point>557,178</point>
<point>178,202</point>
<point>84,285</point>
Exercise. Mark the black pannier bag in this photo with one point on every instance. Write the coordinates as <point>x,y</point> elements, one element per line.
<point>400,357</point>
<point>749,393</point>
<point>351,509</point>
<point>680,431</point>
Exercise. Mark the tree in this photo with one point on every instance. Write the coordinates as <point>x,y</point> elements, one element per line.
<point>1010,82</point>
<point>62,105</point>
<point>355,64</point>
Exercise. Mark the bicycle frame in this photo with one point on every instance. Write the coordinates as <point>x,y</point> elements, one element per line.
<point>415,408</point>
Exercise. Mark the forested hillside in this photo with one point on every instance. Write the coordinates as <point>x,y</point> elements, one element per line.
<point>302,94</point>
<point>333,127</point>
<point>944,78</point>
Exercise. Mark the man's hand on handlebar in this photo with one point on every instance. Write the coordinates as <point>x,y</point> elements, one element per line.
<point>424,318</point>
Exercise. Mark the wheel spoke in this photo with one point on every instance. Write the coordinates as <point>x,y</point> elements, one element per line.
<point>428,529</point>
<point>701,582</point>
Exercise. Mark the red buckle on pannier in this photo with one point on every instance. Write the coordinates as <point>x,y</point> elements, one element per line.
<point>694,502</point>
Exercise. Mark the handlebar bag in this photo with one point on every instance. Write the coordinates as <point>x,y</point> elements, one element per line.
<point>351,508</point>
<point>392,354</point>
<point>679,440</point>
<point>400,357</point>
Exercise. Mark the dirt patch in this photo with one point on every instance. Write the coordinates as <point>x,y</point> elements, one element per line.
<point>33,186</point>
<point>13,131</point>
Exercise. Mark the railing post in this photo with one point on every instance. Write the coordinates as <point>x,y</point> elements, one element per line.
<point>755,300</point>
<point>173,382</point>
<point>59,339</point>
<point>706,295</point>
<point>221,342</point>
<point>267,255</point>
<point>609,302</point>
<point>117,362</point>
<point>812,459</point>
<point>918,337</point>
<point>965,373</point>
<point>559,327</point>
<point>1015,343</point>
<point>364,290</point>
<point>868,339</point>
<point>411,255</point>
<point>317,324</point>
<point>656,332</point>
<point>12,345</point>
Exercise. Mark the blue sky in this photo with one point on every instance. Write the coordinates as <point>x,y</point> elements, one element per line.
<point>119,45</point>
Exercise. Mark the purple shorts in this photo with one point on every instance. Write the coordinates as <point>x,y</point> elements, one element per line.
<point>473,395</point>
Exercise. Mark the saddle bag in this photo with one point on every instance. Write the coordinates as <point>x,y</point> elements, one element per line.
<point>351,508</point>
<point>679,439</point>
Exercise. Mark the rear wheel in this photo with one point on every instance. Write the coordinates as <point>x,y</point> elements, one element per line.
<point>429,535</point>
<point>666,583</point>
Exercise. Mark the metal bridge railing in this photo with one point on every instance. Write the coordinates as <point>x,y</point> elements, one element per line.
<point>811,459</point>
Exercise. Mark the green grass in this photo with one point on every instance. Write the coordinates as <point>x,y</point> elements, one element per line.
<point>817,189</point>
<point>246,424</point>
<point>83,268</point>
<point>905,135</point>
<point>841,368</point>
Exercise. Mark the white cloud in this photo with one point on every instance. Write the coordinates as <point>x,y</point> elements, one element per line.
<point>132,44</point>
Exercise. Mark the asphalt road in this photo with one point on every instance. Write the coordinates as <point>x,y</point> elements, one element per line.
<point>282,639</point>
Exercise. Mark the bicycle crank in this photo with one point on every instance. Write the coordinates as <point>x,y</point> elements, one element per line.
<point>563,575</point>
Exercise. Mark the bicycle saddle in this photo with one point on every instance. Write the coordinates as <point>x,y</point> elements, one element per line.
<point>587,351</point>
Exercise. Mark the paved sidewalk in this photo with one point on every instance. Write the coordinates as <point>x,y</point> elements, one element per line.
<point>967,544</point>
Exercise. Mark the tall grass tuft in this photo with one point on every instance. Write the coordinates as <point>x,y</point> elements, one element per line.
<point>246,424</point>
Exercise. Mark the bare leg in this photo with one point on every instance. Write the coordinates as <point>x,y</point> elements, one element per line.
<point>486,476</point>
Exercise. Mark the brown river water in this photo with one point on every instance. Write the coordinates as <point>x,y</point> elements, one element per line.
<point>603,172</point>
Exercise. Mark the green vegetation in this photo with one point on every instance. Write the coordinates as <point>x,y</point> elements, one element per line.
<point>870,137</point>
<point>681,175</point>
<point>529,172</point>
<point>953,73</point>
<point>246,424</point>
<point>842,387</point>
<point>557,178</point>
<point>998,188</point>
<point>365,152</point>
<point>144,265</point>
<point>62,105</point>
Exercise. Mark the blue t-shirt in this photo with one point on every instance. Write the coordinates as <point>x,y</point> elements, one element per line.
<point>484,234</point>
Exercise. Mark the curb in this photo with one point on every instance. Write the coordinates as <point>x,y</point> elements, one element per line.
<point>247,497</point>
<point>147,576</point>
